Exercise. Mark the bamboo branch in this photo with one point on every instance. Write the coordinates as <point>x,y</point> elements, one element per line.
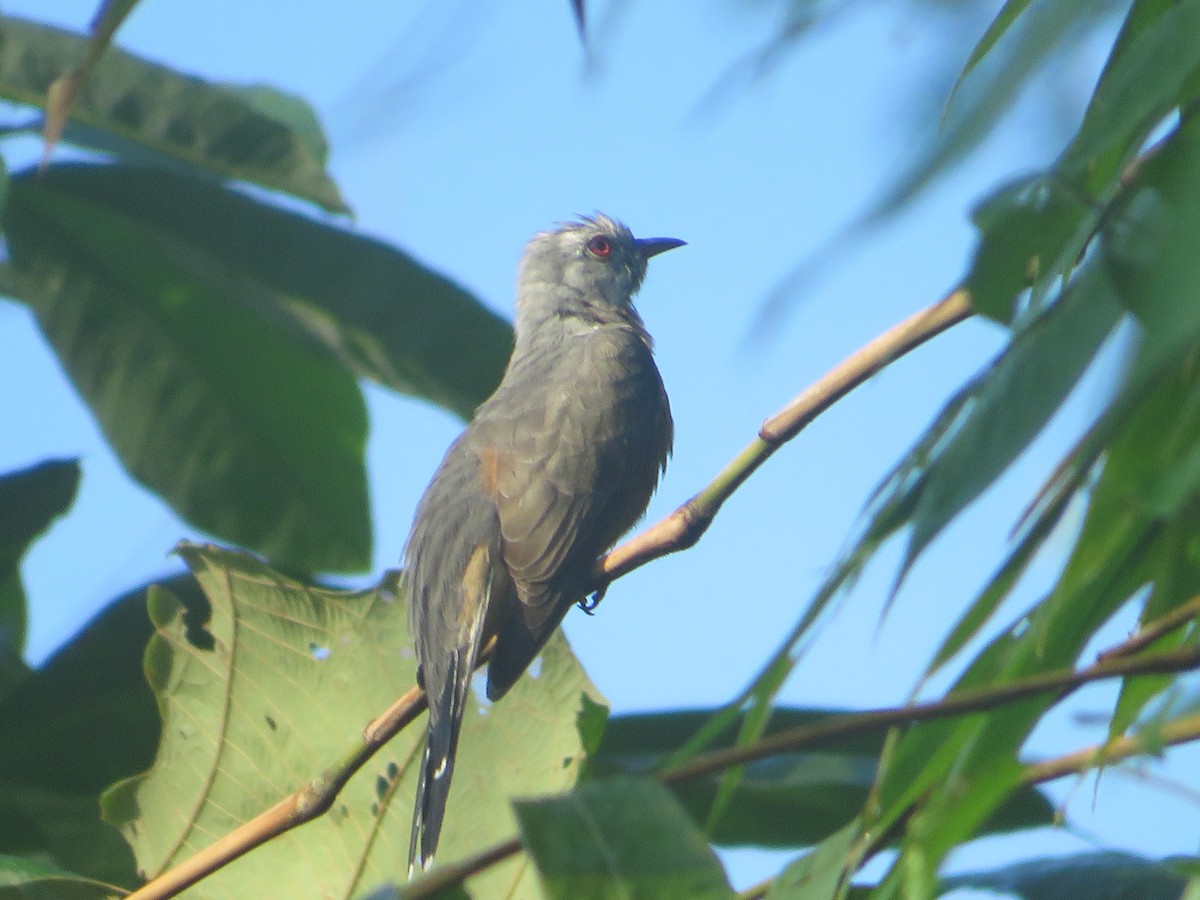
<point>680,530</point>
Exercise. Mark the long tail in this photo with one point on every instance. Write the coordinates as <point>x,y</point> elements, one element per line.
<point>437,765</point>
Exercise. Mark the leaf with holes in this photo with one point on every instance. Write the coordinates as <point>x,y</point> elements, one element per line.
<point>275,687</point>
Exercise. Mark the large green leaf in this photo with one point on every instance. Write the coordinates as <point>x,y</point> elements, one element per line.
<point>146,111</point>
<point>91,693</point>
<point>33,879</point>
<point>276,686</point>
<point>1101,875</point>
<point>382,313</point>
<point>245,432</point>
<point>788,800</point>
<point>618,838</point>
<point>83,719</point>
<point>30,500</point>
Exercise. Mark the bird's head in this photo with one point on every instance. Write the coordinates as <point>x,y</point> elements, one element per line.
<point>588,265</point>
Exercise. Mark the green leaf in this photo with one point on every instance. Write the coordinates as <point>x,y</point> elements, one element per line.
<point>91,693</point>
<point>789,800</point>
<point>1101,875</point>
<point>380,312</point>
<point>622,837</point>
<point>138,108</point>
<point>83,719</point>
<point>32,879</point>
<point>988,423</point>
<point>30,500</point>
<point>63,827</point>
<point>982,99</point>
<point>1025,228</point>
<point>954,773</point>
<point>276,686</point>
<point>244,431</point>
<point>1004,20</point>
<point>821,873</point>
<point>1141,83</point>
<point>1151,248</point>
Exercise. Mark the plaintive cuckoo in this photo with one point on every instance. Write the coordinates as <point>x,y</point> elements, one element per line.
<point>555,466</point>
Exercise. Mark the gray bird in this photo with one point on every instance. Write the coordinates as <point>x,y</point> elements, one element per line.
<point>556,465</point>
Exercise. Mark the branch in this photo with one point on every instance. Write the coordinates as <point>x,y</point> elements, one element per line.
<point>680,530</point>
<point>1169,734</point>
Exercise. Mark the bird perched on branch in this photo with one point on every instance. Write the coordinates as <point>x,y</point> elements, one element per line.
<point>556,465</point>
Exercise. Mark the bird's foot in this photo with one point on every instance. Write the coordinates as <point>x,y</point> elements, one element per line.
<point>588,604</point>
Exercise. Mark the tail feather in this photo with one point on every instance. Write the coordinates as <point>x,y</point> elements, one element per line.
<point>437,764</point>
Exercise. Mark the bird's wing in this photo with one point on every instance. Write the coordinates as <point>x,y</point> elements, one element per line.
<point>546,458</point>
<point>453,572</point>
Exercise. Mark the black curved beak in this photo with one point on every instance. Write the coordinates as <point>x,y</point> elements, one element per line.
<point>653,246</point>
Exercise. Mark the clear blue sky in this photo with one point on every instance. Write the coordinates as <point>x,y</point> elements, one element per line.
<point>457,132</point>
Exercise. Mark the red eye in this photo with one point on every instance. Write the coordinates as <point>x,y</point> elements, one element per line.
<point>599,246</point>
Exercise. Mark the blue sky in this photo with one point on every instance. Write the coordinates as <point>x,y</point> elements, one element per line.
<point>458,131</point>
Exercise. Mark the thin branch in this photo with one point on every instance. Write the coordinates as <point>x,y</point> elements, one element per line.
<point>977,700</point>
<point>680,530</point>
<point>1178,731</point>
<point>1153,630</point>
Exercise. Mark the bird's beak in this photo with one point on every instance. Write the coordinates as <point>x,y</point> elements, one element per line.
<point>653,246</point>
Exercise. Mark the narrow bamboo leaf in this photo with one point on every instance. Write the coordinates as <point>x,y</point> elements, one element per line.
<point>618,838</point>
<point>131,103</point>
<point>959,771</point>
<point>246,432</point>
<point>1152,246</point>
<point>1004,20</point>
<point>1140,84</point>
<point>998,588</point>
<point>1178,581</point>
<point>30,500</point>
<point>275,686</point>
<point>984,427</point>
<point>1085,876</point>
<point>982,100</point>
<point>821,873</point>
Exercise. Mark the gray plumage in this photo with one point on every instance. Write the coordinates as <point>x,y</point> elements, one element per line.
<point>556,465</point>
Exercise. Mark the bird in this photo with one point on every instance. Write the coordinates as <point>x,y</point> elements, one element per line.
<point>557,464</point>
